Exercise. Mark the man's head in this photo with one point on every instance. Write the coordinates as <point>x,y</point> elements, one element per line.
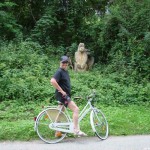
<point>64,62</point>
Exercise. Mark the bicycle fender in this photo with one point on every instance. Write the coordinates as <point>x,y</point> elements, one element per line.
<point>91,120</point>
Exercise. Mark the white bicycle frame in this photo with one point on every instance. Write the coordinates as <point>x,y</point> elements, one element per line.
<point>69,127</point>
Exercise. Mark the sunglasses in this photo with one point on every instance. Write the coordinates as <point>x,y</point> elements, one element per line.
<point>65,62</point>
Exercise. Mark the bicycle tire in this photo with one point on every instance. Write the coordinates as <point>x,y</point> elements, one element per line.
<point>42,125</point>
<point>99,124</point>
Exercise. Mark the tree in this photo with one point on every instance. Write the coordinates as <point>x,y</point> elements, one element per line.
<point>62,21</point>
<point>9,28</point>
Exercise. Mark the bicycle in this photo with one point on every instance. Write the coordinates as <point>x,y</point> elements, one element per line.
<point>53,119</point>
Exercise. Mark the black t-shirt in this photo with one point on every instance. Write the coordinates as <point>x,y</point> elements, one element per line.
<point>63,80</point>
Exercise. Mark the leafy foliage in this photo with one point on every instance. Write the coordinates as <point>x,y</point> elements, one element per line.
<point>62,21</point>
<point>116,32</point>
<point>121,37</point>
<point>112,89</point>
<point>24,72</point>
<point>35,33</point>
<point>9,28</point>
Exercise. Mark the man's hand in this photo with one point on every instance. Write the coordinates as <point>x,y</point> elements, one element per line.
<point>55,84</point>
<point>63,93</point>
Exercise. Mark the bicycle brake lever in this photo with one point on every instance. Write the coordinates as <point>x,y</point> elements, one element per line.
<point>77,97</point>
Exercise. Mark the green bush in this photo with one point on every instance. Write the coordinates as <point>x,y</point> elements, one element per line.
<point>121,37</point>
<point>25,72</point>
<point>112,89</point>
<point>9,28</point>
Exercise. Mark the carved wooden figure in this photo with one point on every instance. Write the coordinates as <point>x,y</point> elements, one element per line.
<point>83,61</point>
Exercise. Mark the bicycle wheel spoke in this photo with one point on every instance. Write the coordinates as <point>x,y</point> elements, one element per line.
<point>45,133</point>
<point>100,124</point>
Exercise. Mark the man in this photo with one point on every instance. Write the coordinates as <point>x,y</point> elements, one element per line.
<point>61,81</point>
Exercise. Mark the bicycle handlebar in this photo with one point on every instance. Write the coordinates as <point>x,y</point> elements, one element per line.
<point>92,95</point>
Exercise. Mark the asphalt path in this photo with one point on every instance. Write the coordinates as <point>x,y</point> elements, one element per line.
<point>138,142</point>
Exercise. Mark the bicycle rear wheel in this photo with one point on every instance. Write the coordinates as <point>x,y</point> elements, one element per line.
<point>43,121</point>
<point>99,124</point>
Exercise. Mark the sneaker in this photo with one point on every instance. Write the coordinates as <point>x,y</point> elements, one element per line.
<point>58,134</point>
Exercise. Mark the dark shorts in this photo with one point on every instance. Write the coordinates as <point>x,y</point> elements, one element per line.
<point>63,99</point>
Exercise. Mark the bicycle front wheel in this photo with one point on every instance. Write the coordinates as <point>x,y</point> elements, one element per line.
<point>99,124</point>
<point>43,121</point>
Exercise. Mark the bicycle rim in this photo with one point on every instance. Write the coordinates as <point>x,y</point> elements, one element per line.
<point>44,132</point>
<point>99,124</point>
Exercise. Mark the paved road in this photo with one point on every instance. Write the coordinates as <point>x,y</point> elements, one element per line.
<point>141,142</point>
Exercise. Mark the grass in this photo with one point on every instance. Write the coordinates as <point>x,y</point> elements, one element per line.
<point>16,120</point>
<point>129,120</point>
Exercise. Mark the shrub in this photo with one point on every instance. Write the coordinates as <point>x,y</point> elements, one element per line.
<point>9,28</point>
<point>25,72</point>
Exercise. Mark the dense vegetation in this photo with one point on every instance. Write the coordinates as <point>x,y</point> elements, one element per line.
<point>34,34</point>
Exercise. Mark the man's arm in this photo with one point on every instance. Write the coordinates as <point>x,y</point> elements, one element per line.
<point>55,84</point>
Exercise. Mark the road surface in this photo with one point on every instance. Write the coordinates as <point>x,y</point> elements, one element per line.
<point>139,142</point>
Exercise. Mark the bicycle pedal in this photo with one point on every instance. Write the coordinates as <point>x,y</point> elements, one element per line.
<point>58,134</point>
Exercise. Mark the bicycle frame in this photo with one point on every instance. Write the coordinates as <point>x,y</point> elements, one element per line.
<point>85,111</point>
<point>69,127</point>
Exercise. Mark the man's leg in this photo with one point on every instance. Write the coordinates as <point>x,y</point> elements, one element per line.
<point>58,133</point>
<point>61,106</point>
<point>75,109</point>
